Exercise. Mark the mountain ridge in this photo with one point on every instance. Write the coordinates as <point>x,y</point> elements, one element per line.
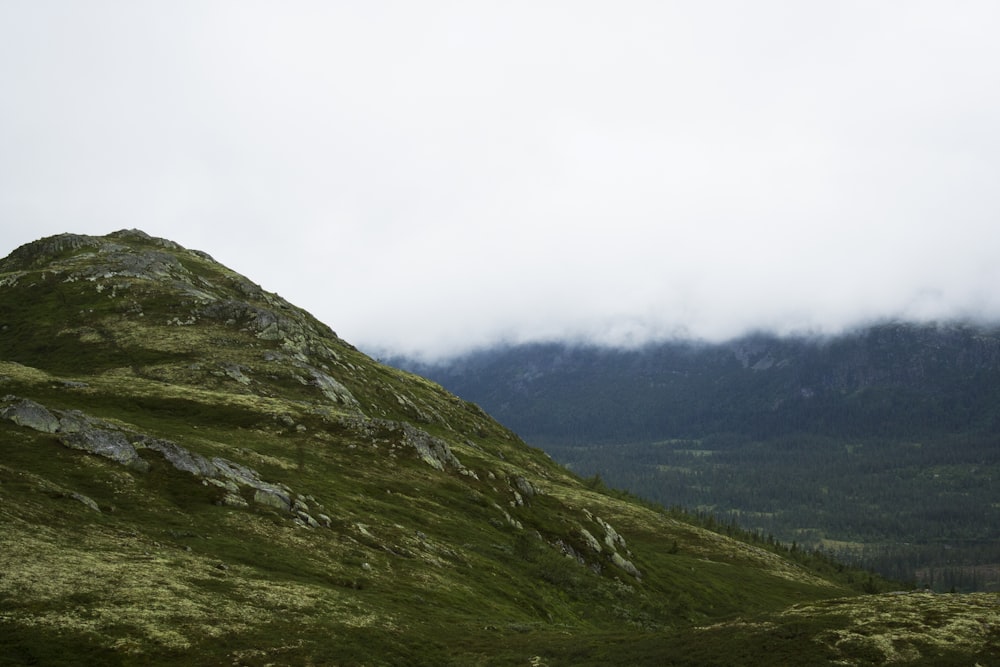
<point>194,470</point>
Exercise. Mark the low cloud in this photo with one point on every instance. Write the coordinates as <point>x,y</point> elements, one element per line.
<point>436,177</point>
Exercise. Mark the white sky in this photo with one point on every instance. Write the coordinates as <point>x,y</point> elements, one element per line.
<point>429,176</point>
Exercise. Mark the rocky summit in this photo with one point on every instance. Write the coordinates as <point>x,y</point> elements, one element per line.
<point>195,471</point>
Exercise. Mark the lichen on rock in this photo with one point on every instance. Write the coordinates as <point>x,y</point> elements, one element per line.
<point>32,415</point>
<point>111,445</point>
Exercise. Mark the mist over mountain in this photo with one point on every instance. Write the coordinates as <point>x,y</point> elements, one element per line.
<point>881,444</point>
<point>437,179</point>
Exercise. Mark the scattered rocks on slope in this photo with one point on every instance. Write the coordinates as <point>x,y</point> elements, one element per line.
<point>432,450</point>
<point>613,541</point>
<point>101,438</point>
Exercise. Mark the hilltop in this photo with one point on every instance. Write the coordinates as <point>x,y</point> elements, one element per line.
<point>195,471</point>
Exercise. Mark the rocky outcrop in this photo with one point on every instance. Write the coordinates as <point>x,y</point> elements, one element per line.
<point>333,390</point>
<point>31,414</point>
<point>432,450</point>
<point>435,452</point>
<point>102,438</point>
<point>181,458</point>
<point>109,444</point>
<point>40,252</point>
<point>626,565</point>
<point>613,542</point>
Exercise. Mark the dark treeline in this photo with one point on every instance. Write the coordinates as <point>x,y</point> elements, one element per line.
<point>883,444</point>
<point>903,509</point>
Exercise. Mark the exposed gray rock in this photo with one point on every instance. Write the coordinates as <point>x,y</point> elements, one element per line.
<point>225,484</point>
<point>435,452</point>
<point>32,415</point>
<point>95,436</point>
<point>71,421</point>
<point>181,458</point>
<point>235,371</point>
<point>42,251</point>
<point>272,498</point>
<point>111,445</point>
<point>569,552</point>
<point>590,540</point>
<point>611,536</point>
<point>265,323</point>
<point>511,521</point>
<point>89,502</point>
<point>332,389</point>
<point>626,565</point>
<point>11,279</point>
<point>524,487</point>
<point>234,500</point>
<point>123,261</point>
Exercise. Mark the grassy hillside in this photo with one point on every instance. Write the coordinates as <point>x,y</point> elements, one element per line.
<point>194,471</point>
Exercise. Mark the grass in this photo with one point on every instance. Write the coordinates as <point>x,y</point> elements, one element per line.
<point>419,566</point>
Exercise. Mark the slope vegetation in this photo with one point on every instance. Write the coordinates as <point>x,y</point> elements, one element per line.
<point>879,445</point>
<point>194,471</point>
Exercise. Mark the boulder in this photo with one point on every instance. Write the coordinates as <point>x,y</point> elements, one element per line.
<point>332,389</point>
<point>524,486</point>
<point>111,445</point>
<point>31,415</point>
<point>181,458</point>
<point>273,497</point>
<point>590,540</point>
<point>626,565</point>
<point>611,536</point>
<point>435,452</point>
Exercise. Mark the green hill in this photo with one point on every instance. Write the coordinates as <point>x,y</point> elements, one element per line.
<point>195,471</point>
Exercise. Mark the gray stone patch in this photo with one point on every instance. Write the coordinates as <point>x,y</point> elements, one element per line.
<point>234,500</point>
<point>626,565</point>
<point>524,486</point>
<point>272,498</point>
<point>77,430</point>
<point>181,458</point>
<point>235,371</point>
<point>31,415</point>
<point>111,445</point>
<point>435,452</point>
<point>332,389</point>
<point>89,502</point>
<point>590,540</point>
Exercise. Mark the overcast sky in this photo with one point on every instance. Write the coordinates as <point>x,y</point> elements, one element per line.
<point>430,176</point>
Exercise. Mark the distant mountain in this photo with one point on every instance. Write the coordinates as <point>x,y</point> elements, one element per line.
<point>857,443</point>
<point>194,471</point>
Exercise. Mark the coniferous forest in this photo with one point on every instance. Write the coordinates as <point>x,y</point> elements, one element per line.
<point>880,447</point>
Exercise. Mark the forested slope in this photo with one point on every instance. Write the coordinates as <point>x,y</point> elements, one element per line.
<point>882,444</point>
